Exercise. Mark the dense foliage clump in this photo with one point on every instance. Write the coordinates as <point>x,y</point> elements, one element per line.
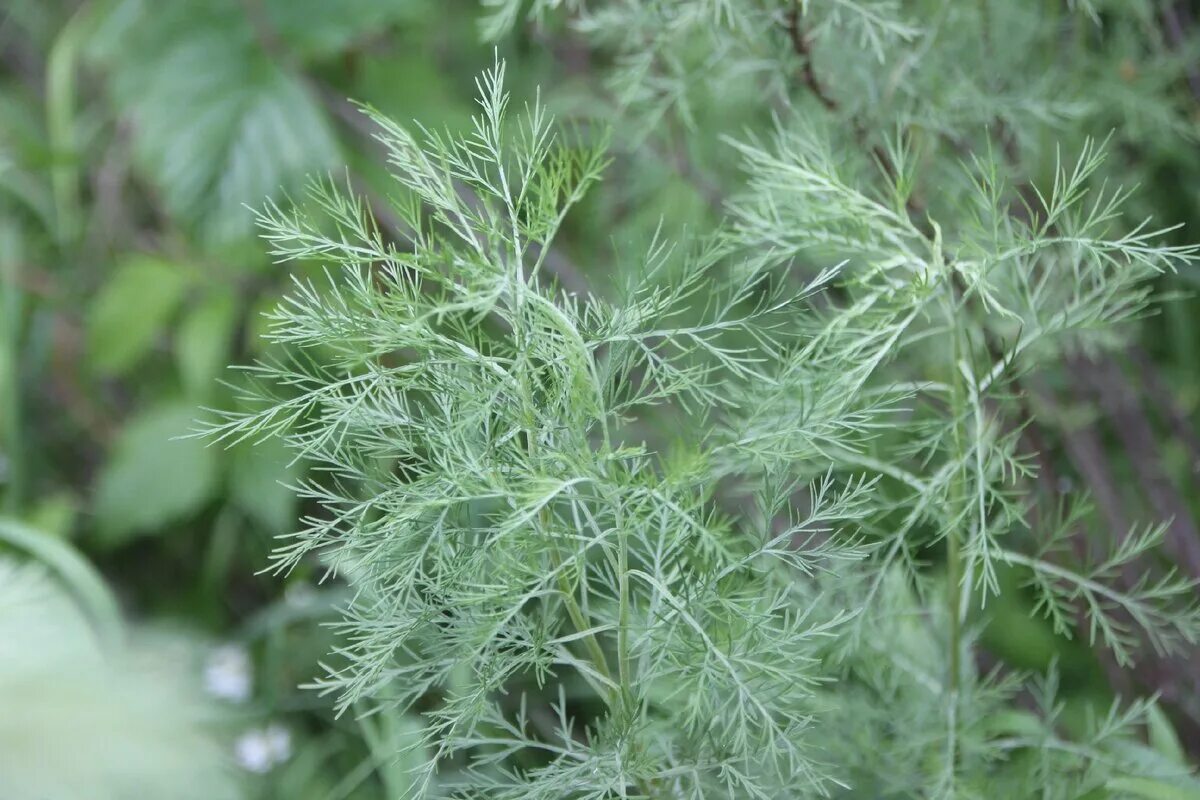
<point>601,616</point>
<point>808,412</point>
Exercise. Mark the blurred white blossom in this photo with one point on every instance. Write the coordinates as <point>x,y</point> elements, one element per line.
<point>261,749</point>
<point>228,674</point>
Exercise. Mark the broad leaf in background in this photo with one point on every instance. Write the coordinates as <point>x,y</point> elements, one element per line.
<point>202,342</point>
<point>154,478</point>
<point>217,123</point>
<point>320,28</point>
<point>261,480</point>
<point>131,311</point>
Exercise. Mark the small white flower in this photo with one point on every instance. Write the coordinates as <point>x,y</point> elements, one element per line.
<point>227,674</point>
<point>261,749</point>
<point>279,740</point>
<point>253,752</point>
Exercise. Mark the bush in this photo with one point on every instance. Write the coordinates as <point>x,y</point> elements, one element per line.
<point>764,430</point>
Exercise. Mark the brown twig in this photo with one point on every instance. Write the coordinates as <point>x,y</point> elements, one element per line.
<point>803,48</point>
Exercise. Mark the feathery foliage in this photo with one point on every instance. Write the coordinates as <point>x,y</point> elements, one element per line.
<point>577,613</point>
<point>800,419</point>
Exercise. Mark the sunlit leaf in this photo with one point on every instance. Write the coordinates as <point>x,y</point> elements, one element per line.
<point>131,312</point>
<point>152,478</point>
<point>202,342</point>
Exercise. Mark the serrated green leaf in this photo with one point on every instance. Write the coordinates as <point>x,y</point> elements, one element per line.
<point>259,480</point>
<point>153,478</point>
<point>131,311</point>
<point>217,122</point>
<point>241,144</point>
<point>202,342</point>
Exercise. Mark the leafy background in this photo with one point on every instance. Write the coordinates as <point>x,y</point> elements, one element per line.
<point>133,136</point>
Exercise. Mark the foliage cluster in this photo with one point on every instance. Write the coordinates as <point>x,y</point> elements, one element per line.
<point>729,443</point>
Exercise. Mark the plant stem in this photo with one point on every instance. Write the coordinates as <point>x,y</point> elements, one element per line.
<point>60,123</point>
<point>623,668</point>
<point>11,310</point>
<point>953,537</point>
<point>579,619</point>
<point>574,611</point>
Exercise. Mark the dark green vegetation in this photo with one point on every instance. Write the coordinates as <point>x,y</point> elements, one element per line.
<point>724,399</point>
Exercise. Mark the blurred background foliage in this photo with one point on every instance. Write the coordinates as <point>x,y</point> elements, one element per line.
<point>133,136</point>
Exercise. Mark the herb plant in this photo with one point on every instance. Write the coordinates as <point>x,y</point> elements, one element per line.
<point>582,615</point>
<point>730,531</point>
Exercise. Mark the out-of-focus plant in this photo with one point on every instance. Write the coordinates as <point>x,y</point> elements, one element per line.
<point>93,708</point>
<point>133,134</point>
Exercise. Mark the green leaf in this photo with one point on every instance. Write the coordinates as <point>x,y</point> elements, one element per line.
<point>153,478</point>
<point>239,144</point>
<point>202,342</point>
<point>1162,735</point>
<point>1150,789</point>
<point>131,311</point>
<point>1016,722</point>
<point>217,122</point>
<point>317,28</point>
<point>259,480</point>
<point>75,571</point>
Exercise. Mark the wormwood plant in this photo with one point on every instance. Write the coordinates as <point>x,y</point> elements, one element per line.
<point>781,600</point>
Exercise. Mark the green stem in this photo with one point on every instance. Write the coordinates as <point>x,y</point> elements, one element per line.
<point>60,123</point>
<point>954,567</point>
<point>579,620</point>
<point>574,611</point>
<point>620,701</point>
<point>623,665</point>
<point>11,303</point>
